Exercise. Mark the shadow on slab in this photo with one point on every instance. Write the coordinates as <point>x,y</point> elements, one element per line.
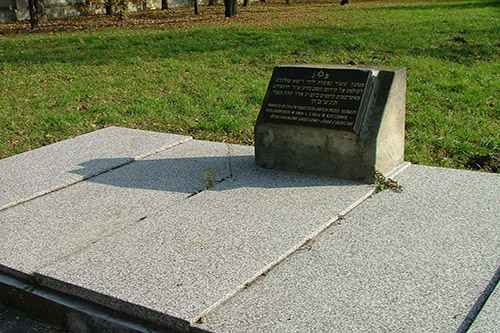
<point>189,174</point>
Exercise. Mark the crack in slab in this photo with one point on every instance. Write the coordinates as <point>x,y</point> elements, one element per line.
<point>205,188</point>
<point>263,272</point>
<point>480,303</point>
<point>306,244</point>
<point>230,167</point>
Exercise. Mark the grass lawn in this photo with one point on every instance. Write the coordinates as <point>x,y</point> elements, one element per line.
<point>206,76</point>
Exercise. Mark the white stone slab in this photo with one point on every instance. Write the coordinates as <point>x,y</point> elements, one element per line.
<point>400,262</point>
<point>488,319</point>
<point>185,259</point>
<point>40,171</point>
<point>40,231</point>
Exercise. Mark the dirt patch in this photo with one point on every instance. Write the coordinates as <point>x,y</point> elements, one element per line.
<point>488,163</point>
<point>259,13</point>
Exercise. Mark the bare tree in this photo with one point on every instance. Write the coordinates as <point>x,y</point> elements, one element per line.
<point>110,7</point>
<point>37,12</point>
<point>231,9</point>
<point>196,7</point>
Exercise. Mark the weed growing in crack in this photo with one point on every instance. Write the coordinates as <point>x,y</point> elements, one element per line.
<point>210,178</point>
<point>384,183</point>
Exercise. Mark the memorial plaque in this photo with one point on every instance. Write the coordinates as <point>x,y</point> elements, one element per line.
<point>333,120</point>
<point>314,96</point>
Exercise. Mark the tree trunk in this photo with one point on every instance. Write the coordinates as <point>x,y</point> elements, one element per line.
<point>231,9</point>
<point>164,4</point>
<point>344,2</point>
<point>110,8</point>
<point>245,3</point>
<point>235,8</point>
<point>211,2</point>
<point>196,7</point>
<point>288,2</point>
<point>37,12</point>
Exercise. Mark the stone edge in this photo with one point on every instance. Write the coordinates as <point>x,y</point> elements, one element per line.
<point>68,311</point>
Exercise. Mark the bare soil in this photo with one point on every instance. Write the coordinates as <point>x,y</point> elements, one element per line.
<point>488,163</point>
<point>257,12</point>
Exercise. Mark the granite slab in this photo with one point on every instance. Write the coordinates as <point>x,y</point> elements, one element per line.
<point>183,260</point>
<point>415,261</point>
<point>38,232</point>
<point>40,171</point>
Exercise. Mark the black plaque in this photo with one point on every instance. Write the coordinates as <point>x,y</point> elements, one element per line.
<point>318,96</point>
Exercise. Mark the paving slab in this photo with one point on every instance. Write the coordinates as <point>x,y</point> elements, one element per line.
<point>38,232</point>
<point>185,259</point>
<point>488,319</point>
<point>415,261</point>
<point>40,171</point>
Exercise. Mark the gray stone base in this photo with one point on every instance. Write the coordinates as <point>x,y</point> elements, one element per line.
<point>136,230</point>
<point>379,146</point>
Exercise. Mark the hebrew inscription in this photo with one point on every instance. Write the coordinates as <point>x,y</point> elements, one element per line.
<point>324,97</point>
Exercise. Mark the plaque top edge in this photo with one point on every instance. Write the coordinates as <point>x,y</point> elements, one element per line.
<point>373,69</point>
<point>329,67</point>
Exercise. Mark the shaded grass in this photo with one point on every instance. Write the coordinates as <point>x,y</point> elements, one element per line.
<point>208,79</point>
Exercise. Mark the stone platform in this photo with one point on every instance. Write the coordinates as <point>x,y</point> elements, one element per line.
<point>122,229</point>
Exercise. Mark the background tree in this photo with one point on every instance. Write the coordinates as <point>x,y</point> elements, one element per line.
<point>231,9</point>
<point>37,12</point>
<point>110,7</point>
<point>344,2</point>
<point>196,7</point>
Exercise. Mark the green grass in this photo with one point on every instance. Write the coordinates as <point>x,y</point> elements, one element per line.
<point>209,80</point>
